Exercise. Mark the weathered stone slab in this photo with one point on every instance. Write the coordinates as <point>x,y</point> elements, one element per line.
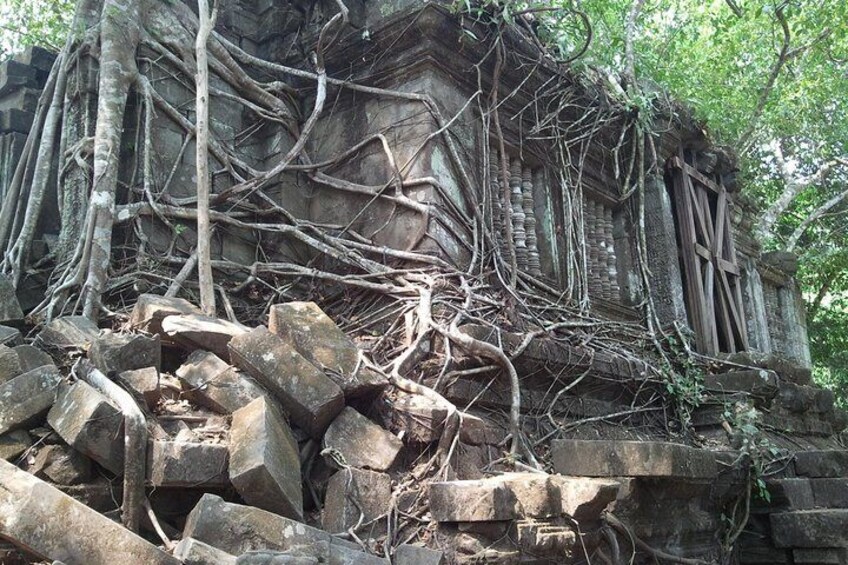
<point>10,364</point>
<point>361,442</point>
<point>31,357</point>
<point>274,558</point>
<point>116,353</point>
<point>56,527</point>
<point>61,465</point>
<point>237,529</point>
<point>810,528</point>
<point>143,384</point>
<point>13,444</point>
<point>187,465</point>
<point>407,554</point>
<point>313,554</point>
<point>264,459</point>
<point>89,423</point>
<point>10,308</point>
<point>209,381</point>
<point>10,336</point>
<point>796,494</point>
<point>822,464</point>
<point>26,398</point>
<point>194,331</point>
<point>151,309</point>
<point>762,383</point>
<point>601,458</point>
<point>520,495</point>
<point>192,552</point>
<point>354,492</point>
<point>69,332</point>
<point>820,556</point>
<point>319,339</point>
<point>310,398</point>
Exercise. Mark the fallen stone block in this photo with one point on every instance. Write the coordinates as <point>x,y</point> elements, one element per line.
<point>541,538</point>
<point>10,336</point>
<point>194,331</point>
<point>310,398</point>
<point>809,528</point>
<point>187,465</point>
<point>415,417</point>
<point>61,465</point>
<point>407,554</point>
<point>69,332</point>
<point>209,381</point>
<point>274,558</point>
<point>151,309</point>
<point>193,552</point>
<point>264,460</point>
<point>26,398</point>
<point>54,526</point>
<point>520,495</point>
<point>10,308</point>
<point>116,353</point>
<point>352,493</point>
<point>13,444</point>
<point>89,423</point>
<point>143,384</point>
<point>361,442</point>
<point>319,339</point>
<point>30,357</point>
<point>822,464</point>
<point>237,529</point>
<point>10,364</point>
<point>601,458</point>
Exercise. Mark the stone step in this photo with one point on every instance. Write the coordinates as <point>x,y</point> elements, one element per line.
<point>603,458</point>
<point>822,464</point>
<point>807,494</point>
<point>810,529</point>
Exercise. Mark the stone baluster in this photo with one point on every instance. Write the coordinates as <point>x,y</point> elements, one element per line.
<point>612,267</point>
<point>519,235</point>
<point>604,258</point>
<point>592,248</point>
<point>533,264</point>
<point>496,192</point>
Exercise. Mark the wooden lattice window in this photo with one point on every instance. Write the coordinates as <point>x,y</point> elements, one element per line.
<point>712,288</point>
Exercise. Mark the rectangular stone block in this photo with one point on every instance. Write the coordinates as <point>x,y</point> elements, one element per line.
<point>26,398</point>
<point>762,383</point>
<point>10,308</point>
<point>810,528</point>
<point>10,336</point>
<point>310,398</point>
<point>821,556</point>
<point>192,552</point>
<point>89,423</point>
<point>208,381</point>
<point>151,309</point>
<point>601,458</point>
<point>822,464</point>
<point>31,357</point>
<point>361,442</point>
<point>354,495</point>
<point>143,384</point>
<point>319,339</point>
<point>194,331</point>
<point>55,527</point>
<point>10,364</point>
<point>237,529</point>
<point>68,332</point>
<point>407,554</point>
<point>520,495</point>
<point>13,444</point>
<point>187,464</point>
<point>116,353</point>
<point>264,460</point>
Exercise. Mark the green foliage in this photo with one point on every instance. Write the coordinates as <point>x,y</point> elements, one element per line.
<point>33,22</point>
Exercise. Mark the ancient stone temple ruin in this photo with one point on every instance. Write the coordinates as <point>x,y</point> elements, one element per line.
<point>274,436</point>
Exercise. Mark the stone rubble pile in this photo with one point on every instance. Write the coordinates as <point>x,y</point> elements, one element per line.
<point>236,417</point>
